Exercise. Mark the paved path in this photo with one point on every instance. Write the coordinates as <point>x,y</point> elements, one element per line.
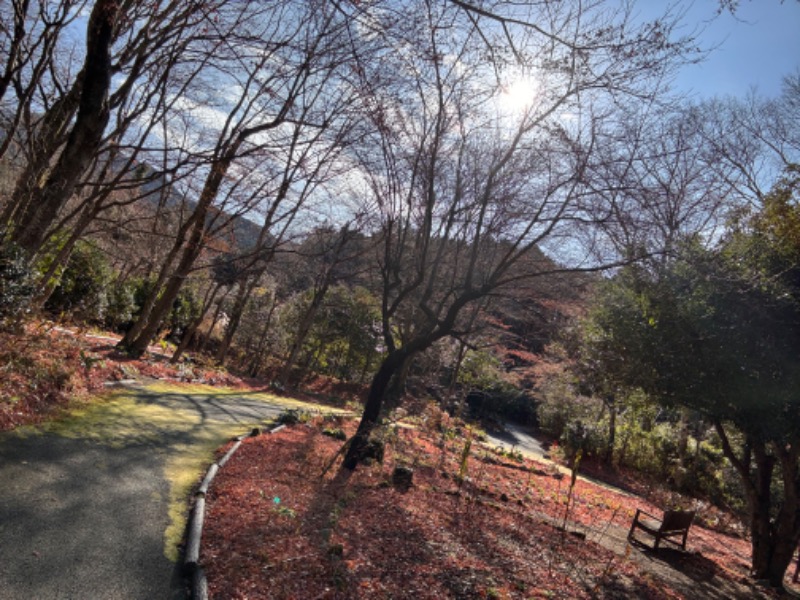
<point>84,508</point>
<point>522,439</point>
<point>517,437</point>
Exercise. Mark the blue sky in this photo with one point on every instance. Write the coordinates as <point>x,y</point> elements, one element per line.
<point>756,47</point>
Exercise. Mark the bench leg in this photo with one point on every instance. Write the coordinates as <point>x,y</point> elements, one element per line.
<point>633,525</point>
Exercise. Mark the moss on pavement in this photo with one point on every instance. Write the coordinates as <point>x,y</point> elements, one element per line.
<point>183,423</point>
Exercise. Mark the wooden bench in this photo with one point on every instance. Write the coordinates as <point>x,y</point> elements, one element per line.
<point>675,523</point>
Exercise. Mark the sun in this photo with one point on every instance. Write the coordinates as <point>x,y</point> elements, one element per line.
<point>518,95</point>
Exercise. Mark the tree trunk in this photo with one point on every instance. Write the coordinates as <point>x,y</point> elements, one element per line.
<point>31,226</point>
<point>147,333</point>
<point>214,320</point>
<point>191,331</point>
<point>760,508</point>
<point>775,552</point>
<point>391,365</point>
<point>50,135</point>
<point>17,43</point>
<point>320,291</point>
<point>166,266</point>
<point>774,538</point>
<point>144,330</point>
<point>397,386</point>
<point>683,439</point>
<point>237,311</point>
<point>460,356</point>
<point>306,321</point>
<point>608,458</point>
<point>49,282</point>
<point>257,357</point>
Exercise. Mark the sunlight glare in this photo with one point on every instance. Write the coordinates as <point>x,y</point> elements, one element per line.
<point>518,95</point>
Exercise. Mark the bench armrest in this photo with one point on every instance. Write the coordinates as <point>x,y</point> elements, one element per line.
<point>639,511</point>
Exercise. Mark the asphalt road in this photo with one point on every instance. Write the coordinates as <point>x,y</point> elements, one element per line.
<point>517,437</point>
<point>83,511</point>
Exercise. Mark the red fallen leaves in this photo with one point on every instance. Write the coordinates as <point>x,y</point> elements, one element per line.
<point>497,535</point>
<point>39,373</point>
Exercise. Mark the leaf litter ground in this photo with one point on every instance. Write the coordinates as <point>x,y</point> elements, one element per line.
<point>277,528</point>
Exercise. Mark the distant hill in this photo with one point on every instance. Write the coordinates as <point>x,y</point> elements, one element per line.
<point>241,234</point>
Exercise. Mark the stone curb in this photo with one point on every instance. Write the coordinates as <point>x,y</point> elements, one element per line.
<point>191,563</point>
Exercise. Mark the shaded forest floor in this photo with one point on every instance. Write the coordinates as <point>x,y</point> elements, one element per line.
<point>45,367</point>
<point>276,527</point>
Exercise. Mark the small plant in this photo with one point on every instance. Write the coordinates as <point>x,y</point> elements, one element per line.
<point>479,434</point>
<point>278,509</point>
<point>185,371</point>
<point>89,361</point>
<point>285,511</point>
<point>293,416</point>
<point>571,490</point>
<point>463,462</point>
<point>339,507</point>
<point>129,371</point>
<point>83,285</point>
<point>337,433</point>
<point>512,454</point>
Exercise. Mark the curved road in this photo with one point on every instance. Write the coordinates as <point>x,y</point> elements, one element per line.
<point>518,437</point>
<point>85,505</point>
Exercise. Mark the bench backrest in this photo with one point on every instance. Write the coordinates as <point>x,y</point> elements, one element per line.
<point>677,520</point>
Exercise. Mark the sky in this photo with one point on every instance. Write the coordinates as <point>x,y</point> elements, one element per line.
<point>757,46</point>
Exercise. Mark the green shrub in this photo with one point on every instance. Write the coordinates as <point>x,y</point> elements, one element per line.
<point>490,393</point>
<point>82,290</point>
<point>579,438</point>
<point>121,306</point>
<point>560,405</point>
<point>16,286</point>
<point>185,308</point>
<point>343,337</point>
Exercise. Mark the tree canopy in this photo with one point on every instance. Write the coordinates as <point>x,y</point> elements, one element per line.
<point>718,331</point>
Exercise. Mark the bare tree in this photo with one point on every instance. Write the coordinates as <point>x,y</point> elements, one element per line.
<point>464,178</point>
<point>124,39</point>
<point>755,139</point>
<point>32,51</point>
<point>333,249</point>
<point>659,182</point>
<point>123,170</point>
<point>280,62</point>
<point>30,221</point>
